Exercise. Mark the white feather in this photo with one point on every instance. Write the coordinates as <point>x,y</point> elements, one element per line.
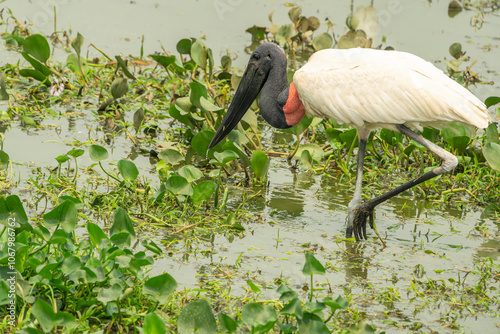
<point>370,89</point>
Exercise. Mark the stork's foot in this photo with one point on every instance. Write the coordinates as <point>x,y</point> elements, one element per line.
<point>358,217</point>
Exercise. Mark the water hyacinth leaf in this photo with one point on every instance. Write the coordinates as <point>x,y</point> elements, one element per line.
<point>311,323</point>
<point>339,304</point>
<point>250,120</point>
<point>37,46</point>
<point>71,264</point>
<point>37,75</point>
<point>98,153</point>
<point>64,214</point>
<point>72,64</point>
<point>225,62</point>
<point>96,234</point>
<point>171,156</point>
<point>491,101</point>
<point>62,159</point>
<point>198,90</point>
<point>391,137</point>
<point>153,324</point>
<point>160,287</point>
<point>3,90</point>
<point>225,156</point>
<point>259,162</point>
<point>123,66</point>
<point>203,191</point>
<point>119,88</point>
<point>199,53</point>
<point>284,33</point>
<point>322,41</point>
<point>492,134</point>
<point>456,50</point>
<point>314,150</point>
<point>180,115</point>
<point>491,152</point>
<point>201,141</point>
<point>431,134</point>
<point>294,13</point>
<point>12,205</point>
<point>138,119</point>
<point>306,158</point>
<point>152,246</point>
<point>75,152</point>
<point>190,173</point>
<point>254,314</point>
<point>226,323</point>
<point>230,145</point>
<point>47,319</point>
<point>36,64</point>
<point>184,104</point>
<point>258,33</point>
<point>348,137</point>
<point>197,317</point>
<point>128,170</point>
<point>179,185</point>
<point>294,307</point>
<point>301,126</point>
<point>164,61</point>
<point>4,160</point>
<point>208,106</point>
<point>122,223</point>
<point>77,43</point>
<point>312,266</point>
<point>110,294</point>
<point>184,46</point>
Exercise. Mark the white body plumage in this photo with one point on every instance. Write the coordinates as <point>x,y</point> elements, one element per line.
<point>369,89</point>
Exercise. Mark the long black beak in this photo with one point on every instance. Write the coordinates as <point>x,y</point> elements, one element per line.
<point>250,85</point>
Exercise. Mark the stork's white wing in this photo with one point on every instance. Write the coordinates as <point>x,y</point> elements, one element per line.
<point>373,88</point>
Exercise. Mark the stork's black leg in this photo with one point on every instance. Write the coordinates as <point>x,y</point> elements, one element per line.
<point>365,210</point>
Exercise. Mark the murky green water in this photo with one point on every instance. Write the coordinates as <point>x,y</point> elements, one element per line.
<point>300,211</point>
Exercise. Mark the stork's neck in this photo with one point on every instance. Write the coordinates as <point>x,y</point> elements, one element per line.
<point>280,104</point>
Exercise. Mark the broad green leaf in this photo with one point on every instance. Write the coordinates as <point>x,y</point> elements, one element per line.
<point>294,307</point>
<point>201,141</point>
<point>225,156</point>
<point>152,246</point>
<point>119,88</point>
<point>312,266</point>
<point>491,152</point>
<point>254,314</point>
<point>37,75</point>
<point>203,191</point>
<point>322,41</point>
<point>72,63</point>
<point>37,46</point>
<point>62,159</point>
<point>179,185</point>
<point>110,294</point>
<point>284,33</point>
<point>314,150</point>
<point>492,100</point>
<point>197,317</point>
<point>153,324</point>
<point>138,119</point>
<point>312,324</point>
<point>98,153</point>
<point>71,264</point>
<point>391,137</point>
<point>75,153</point>
<point>64,214</point>
<point>230,145</point>
<point>77,43</point>
<point>12,212</point>
<point>122,223</point>
<point>455,50</point>
<point>160,287</point>
<point>123,66</point>
<point>348,137</point>
<point>96,234</point>
<point>252,286</point>
<point>226,323</point>
<point>190,173</point>
<point>3,90</point>
<point>171,156</point>
<point>47,319</point>
<point>198,90</point>
<point>492,134</point>
<point>36,64</point>
<point>184,46</point>
<point>128,170</point>
<point>4,160</point>
<point>199,53</point>
<point>164,61</point>
<point>259,162</point>
<point>339,304</point>
<point>225,62</point>
<point>208,106</point>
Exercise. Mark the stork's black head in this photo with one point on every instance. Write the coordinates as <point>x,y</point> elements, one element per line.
<point>265,60</point>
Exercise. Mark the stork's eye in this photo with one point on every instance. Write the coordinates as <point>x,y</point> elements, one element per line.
<point>256,56</point>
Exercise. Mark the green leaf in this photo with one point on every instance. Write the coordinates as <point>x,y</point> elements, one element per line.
<point>492,100</point>
<point>200,142</point>
<point>198,90</point>
<point>254,314</point>
<point>299,128</point>
<point>492,134</point>
<point>348,137</point>
<point>128,170</point>
<point>314,149</point>
<point>153,324</point>
<point>171,156</point>
<point>119,88</point>
<point>72,64</point>
<point>3,90</point>
<point>75,152</point>
<point>37,46</point>
<point>36,64</point>
<point>294,307</point>
<point>37,75</point>
<point>339,304</point>
<point>62,159</point>
<point>284,34</point>
<point>164,61</point>
<point>184,46</point>
<point>203,191</point>
<point>12,207</point>
<point>254,287</point>
<point>47,319</point>
<point>4,160</point>
<point>197,317</point>
<point>190,173</point>
<point>138,119</point>
<point>110,294</point>
<point>312,324</point>
<point>225,156</point>
<point>64,214</point>
<point>455,50</point>
<point>152,246</point>
<point>491,152</point>
<point>259,162</point>
<point>226,323</point>
<point>179,185</point>
<point>322,41</point>
<point>122,223</point>
<point>71,264</point>
<point>124,68</point>
<point>199,53</point>
<point>225,62</point>
<point>98,153</point>
<point>160,287</point>
<point>312,266</point>
<point>77,43</point>
<point>96,234</point>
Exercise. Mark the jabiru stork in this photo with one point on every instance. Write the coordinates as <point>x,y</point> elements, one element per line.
<point>364,88</point>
